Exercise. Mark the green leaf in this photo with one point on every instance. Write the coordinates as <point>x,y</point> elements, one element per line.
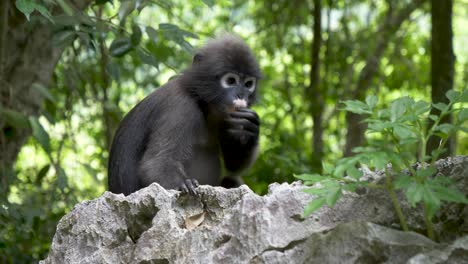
<point>15,119</point>
<point>126,8</point>
<point>446,128</point>
<point>120,47</point>
<point>464,129</point>
<point>63,38</point>
<point>327,168</point>
<point>462,115</point>
<point>403,181</point>
<point>152,34</point>
<point>431,200</point>
<point>421,107</point>
<point>452,95</point>
<point>371,101</point>
<point>434,117</point>
<point>441,106</point>
<point>464,96</point>
<point>356,107</point>
<point>44,91</point>
<point>447,194</point>
<point>310,178</point>
<point>136,35</point>
<point>380,160</point>
<point>26,7</point>
<point>113,70</point>
<point>313,206</point>
<point>397,109</point>
<point>332,196</point>
<point>40,134</point>
<point>402,131</point>
<point>414,193</point>
<point>426,172</point>
<point>209,3</point>
<point>316,191</point>
<point>62,180</point>
<point>354,173</point>
<point>44,12</point>
<point>147,58</point>
<point>41,174</point>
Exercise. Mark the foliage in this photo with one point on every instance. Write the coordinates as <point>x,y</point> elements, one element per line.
<point>116,52</point>
<point>398,136</point>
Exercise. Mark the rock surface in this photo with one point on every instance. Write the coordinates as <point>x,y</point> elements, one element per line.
<point>155,225</point>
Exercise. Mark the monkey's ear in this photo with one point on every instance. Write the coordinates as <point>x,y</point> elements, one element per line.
<point>197,58</point>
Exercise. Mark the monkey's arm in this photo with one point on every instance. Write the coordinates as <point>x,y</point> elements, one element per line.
<point>169,148</point>
<point>239,139</point>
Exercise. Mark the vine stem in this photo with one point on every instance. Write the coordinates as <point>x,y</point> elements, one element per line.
<point>396,204</point>
<point>429,225</point>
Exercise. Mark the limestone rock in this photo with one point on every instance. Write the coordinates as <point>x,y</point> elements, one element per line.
<point>155,225</point>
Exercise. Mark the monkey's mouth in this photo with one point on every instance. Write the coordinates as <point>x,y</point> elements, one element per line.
<point>239,103</point>
<point>236,104</point>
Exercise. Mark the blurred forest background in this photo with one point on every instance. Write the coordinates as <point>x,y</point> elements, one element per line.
<point>70,70</point>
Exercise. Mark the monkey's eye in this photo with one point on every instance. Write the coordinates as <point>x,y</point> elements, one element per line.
<point>249,83</point>
<point>229,80</point>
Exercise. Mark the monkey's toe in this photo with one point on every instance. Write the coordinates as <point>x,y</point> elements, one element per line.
<point>189,186</point>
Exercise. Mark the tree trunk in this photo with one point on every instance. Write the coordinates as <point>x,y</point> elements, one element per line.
<point>315,93</point>
<point>391,24</point>
<point>442,64</point>
<point>26,57</point>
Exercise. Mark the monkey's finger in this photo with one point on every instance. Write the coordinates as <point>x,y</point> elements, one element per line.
<point>249,115</point>
<point>244,137</point>
<point>241,124</point>
<point>191,185</point>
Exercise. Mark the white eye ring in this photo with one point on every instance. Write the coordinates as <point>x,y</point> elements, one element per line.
<point>229,80</point>
<point>249,83</point>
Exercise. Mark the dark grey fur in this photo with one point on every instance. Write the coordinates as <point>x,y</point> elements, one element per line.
<point>178,134</point>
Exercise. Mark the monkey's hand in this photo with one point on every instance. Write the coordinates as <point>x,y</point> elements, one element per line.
<point>242,127</point>
<point>189,186</point>
<point>239,139</point>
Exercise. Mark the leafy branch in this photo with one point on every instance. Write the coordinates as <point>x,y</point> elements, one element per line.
<point>394,133</point>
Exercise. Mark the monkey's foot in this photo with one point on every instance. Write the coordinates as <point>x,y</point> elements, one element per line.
<point>189,186</point>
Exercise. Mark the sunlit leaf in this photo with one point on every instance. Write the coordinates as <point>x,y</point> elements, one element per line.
<point>126,7</point>
<point>40,134</point>
<point>356,107</point>
<point>462,115</point>
<point>397,109</point>
<point>354,173</point>
<point>403,181</point>
<point>152,34</point>
<point>26,7</point>
<point>452,95</point>
<point>314,205</point>
<point>431,200</point>
<point>62,180</point>
<point>209,3</point>
<point>447,194</point>
<point>441,106</point>
<point>426,172</point>
<point>414,193</point>
<point>310,178</point>
<point>371,101</point>
<point>332,196</point>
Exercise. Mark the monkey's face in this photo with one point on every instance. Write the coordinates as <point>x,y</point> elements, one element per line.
<point>238,90</point>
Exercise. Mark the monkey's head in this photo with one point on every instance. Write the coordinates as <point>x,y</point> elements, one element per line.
<point>224,74</point>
